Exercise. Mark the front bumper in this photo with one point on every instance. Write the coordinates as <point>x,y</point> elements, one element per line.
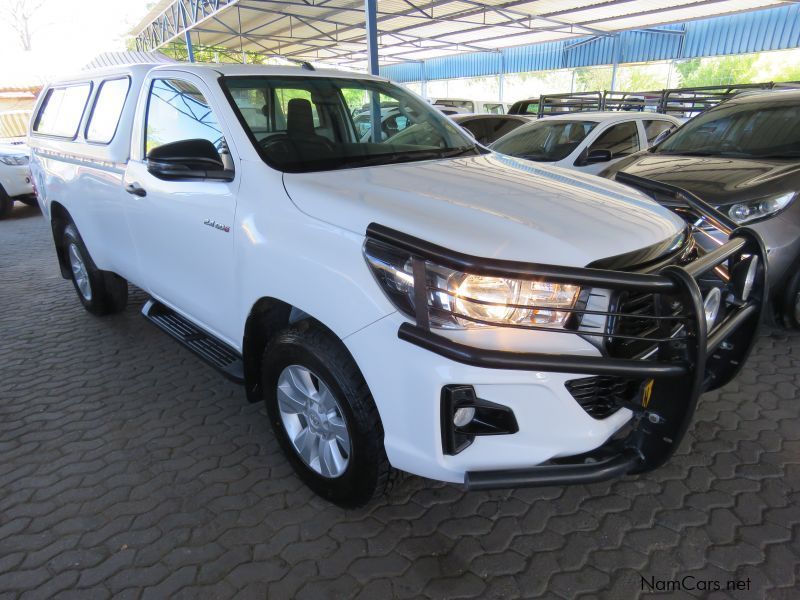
<point>678,370</point>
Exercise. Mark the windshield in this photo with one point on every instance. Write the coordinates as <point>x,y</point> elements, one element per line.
<point>302,124</point>
<point>547,140</point>
<point>757,130</point>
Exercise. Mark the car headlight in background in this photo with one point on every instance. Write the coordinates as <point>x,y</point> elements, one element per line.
<point>14,159</point>
<point>479,301</point>
<point>745,212</point>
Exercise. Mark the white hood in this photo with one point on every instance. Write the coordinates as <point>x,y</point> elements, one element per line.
<point>491,206</point>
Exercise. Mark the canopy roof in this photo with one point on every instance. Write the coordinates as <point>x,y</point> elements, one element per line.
<point>333,31</point>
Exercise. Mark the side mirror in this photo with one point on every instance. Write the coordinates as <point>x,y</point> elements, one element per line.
<point>187,159</point>
<point>590,157</point>
<point>662,136</point>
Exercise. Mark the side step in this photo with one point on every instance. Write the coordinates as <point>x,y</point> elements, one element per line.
<point>218,354</point>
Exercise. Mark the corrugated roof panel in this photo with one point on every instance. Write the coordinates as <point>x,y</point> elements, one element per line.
<point>541,57</point>
<point>446,67</point>
<point>775,29</point>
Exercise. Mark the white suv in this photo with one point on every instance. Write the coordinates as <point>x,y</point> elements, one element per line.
<point>15,178</point>
<point>426,305</point>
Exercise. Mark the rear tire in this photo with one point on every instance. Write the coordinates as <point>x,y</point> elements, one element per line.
<point>100,292</point>
<point>324,416</point>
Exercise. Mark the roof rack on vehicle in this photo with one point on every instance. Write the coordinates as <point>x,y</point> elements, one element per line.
<point>635,101</point>
<point>561,104</point>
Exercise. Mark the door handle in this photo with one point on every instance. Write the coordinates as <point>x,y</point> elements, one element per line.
<point>135,189</point>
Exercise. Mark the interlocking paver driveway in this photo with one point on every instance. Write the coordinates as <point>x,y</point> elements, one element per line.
<point>129,468</point>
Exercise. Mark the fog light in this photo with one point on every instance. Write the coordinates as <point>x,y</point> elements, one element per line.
<point>463,416</point>
<point>711,306</point>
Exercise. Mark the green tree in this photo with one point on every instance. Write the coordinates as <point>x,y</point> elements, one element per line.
<point>591,79</point>
<point>717,70</point>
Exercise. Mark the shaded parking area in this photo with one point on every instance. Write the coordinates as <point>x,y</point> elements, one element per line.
<point>129,468</point>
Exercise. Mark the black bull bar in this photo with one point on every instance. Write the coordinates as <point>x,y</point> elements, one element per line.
<point>680,367</point>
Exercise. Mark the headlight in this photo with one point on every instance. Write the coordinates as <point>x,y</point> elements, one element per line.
<point>460,300</point>
<point>14,159</point>
<point>758,209</point>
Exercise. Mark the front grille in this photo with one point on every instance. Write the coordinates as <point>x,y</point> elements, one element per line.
<point>603,395</point>
<point>636,308</point>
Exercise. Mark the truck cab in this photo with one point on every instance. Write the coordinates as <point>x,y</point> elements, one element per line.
<point>419,303</point>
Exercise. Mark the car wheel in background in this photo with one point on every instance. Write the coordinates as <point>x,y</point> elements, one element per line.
<point>6,204</point>
<point>100,292</point>
<point>790,301</point>
<point>323,415</point>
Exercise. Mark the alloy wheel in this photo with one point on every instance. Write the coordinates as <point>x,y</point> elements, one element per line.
<point>79,272</point>
<point>314,421</point>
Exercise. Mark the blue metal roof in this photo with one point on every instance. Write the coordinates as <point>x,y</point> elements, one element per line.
<point>770,29</point>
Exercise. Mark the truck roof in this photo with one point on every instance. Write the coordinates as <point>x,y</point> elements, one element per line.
<point>225,69</point>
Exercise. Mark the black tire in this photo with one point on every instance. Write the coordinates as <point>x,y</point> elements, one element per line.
<point>6,204</point>
<point>367,472</point>
<point>790,301</point>
<point>107,292</point>
<point>28,200</point>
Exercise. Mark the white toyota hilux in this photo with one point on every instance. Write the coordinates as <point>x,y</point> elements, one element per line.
<point>427,306</point>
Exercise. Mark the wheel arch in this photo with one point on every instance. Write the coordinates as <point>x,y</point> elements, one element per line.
<point>267,317</point>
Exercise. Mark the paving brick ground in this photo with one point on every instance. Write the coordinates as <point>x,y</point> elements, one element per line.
<point>129,468</point>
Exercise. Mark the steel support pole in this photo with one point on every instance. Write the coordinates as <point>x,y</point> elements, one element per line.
<point>189,47</point>
<point>616,62</point>
<point>371,17</point>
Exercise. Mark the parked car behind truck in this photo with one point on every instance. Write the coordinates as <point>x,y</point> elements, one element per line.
<point>15,178</point>
<point>742,157</point>
<point>586,141</point>
<point>435,307</point>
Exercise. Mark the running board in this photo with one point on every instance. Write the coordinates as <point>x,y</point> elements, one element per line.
<point>215,352</point>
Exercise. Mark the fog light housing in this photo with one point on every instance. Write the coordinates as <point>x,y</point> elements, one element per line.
<point>465,416</point>
<point>711,306</point>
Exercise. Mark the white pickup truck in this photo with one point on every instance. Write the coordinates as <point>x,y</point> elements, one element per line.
<point>427,306</point>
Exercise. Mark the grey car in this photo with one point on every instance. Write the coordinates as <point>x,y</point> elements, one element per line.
<point>743,157</point>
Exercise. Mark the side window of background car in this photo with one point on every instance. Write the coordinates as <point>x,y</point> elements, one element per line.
<point>177,111</point>
<point>621,140</point>
<point>655,128</point>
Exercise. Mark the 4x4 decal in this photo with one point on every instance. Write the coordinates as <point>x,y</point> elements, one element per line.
<point>215,225</point>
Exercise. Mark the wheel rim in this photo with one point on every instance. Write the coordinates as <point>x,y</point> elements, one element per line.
<point>79,272</point>
<point>314,421</point>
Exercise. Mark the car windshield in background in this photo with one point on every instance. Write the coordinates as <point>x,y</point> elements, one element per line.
<point>546,140</point>
<point>302,124</point>
<point>757,130</point>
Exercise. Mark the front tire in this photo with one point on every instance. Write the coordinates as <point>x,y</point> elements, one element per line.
<point>6,204</point>
<point>324,416</point>
<point>100,292</point>
<point>790,302</point>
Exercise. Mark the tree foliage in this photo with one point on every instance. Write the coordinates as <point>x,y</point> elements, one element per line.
<point>718,70</point>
